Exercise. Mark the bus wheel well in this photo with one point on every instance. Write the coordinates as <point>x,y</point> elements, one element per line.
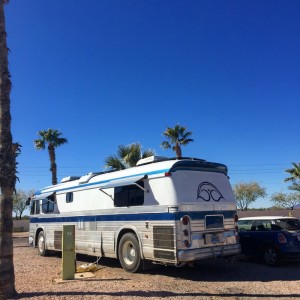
<point>37,235</point>
<point>121,233</point>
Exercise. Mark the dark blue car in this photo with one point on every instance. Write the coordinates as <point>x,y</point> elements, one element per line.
<point>272,238</point>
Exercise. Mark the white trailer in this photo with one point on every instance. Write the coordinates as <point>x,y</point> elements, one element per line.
<point>167,211</point>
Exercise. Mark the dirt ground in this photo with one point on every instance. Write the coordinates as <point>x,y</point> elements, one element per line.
<point>36,278</point>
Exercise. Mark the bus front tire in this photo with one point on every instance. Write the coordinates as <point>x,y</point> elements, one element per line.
<point>129,253</point>
<point>41,244</point>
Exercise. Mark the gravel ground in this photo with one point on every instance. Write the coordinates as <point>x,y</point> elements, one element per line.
<point>36,278</point>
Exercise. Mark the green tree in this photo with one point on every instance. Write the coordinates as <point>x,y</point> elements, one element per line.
<point>8,164</point>
<point>283,200</point>
<point>53,139</point>
<point>127,156</point>
<point>294,177</point>
<point>19,202</point>
<point>175,138</point>
<point>247,193</point>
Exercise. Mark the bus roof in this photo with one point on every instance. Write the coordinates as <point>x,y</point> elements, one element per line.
<point>143,170</point>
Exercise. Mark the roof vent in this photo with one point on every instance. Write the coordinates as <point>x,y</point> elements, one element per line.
<point>69,178</point>
<point>87,177</point>
<point>151,159</point>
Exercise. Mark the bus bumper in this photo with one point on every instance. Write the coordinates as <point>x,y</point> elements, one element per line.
<point>209,252</point>
<point>30,241</point>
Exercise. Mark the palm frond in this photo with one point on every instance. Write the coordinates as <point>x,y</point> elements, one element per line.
<point>294,172</point>
<point>51,136</point>
<point>165,145</point>
<point>39,144</point>
<point>175,137</point>
<point>127,156</point>
<point>148,153</point>
<point>134,155</point>
<point>114,163</point>
<point>186,141</point>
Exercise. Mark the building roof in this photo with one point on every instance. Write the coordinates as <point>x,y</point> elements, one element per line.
<point>270,212</point>
<point>265,218</point>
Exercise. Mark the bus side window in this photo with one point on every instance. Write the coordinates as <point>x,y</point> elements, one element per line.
<point>121,196</point>
<point>48,205</point>
<point>130,195</point>
<point>69,197</point>
<point>136,195</point>
<point>32,205</point>
<point>35,207</point>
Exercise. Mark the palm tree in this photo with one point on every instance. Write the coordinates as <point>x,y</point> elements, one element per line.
<point>176,137</point>
<point>127,156</point>
<point>8,154</point>
<point>294,176</point>
<point>53,139</point>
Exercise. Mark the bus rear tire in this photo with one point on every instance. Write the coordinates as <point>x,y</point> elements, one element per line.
<point>129,253</point>
<point>41,245</point>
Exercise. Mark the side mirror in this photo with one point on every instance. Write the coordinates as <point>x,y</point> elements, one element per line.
<point>28,201</point>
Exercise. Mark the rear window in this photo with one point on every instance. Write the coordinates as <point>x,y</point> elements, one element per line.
<point>213,222</point>
<point>288,224</point>
<point>199,165</point>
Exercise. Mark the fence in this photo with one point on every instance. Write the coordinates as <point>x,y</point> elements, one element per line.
<point>21,225</point>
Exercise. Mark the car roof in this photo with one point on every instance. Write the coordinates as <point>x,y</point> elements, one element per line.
<point>265,218</point>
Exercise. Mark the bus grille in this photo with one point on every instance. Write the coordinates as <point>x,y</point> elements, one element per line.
<point>163,237</point>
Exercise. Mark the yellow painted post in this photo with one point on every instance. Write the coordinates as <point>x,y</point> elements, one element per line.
<point>68,252</point>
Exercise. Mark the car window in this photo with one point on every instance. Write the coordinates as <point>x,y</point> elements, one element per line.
<point>275,226</point>
<point>267,225</point>
<point>264,225</point>
<point>288,224</point>
<point>261,225</point>
<point>245,225</point>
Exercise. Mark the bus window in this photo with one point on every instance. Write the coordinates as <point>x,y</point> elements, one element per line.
<point>47,206</point>
<point>129,195</point>
<point>35,207</point>
<point>69,197</point>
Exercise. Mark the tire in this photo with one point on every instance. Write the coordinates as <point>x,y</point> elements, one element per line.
<point>129,253</point>
<point>270,256</point>
<point>41,245</point>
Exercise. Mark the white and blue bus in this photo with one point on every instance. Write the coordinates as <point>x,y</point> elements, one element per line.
<point>167,211</point>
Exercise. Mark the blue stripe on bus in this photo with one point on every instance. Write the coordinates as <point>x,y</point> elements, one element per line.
<point>103,181</point>
<point>134,217</point>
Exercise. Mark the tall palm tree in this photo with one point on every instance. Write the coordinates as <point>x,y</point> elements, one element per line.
<point>8,154</point>
<point>176,137</point>
<point>53,139</point>
<point>127,156</point>
<point>294,176</point>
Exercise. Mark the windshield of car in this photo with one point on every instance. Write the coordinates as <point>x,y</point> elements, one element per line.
<point>288,224</point>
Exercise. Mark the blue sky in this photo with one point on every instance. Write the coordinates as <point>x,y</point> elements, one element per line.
<point>115,72</point>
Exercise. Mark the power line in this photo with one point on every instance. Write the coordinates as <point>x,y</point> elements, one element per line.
<point>265,164</point>
<point>232,165</point>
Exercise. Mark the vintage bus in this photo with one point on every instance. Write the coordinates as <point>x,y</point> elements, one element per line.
<point>165,211</point>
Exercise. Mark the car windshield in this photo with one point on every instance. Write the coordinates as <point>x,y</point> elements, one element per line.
<point>288,224</point>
